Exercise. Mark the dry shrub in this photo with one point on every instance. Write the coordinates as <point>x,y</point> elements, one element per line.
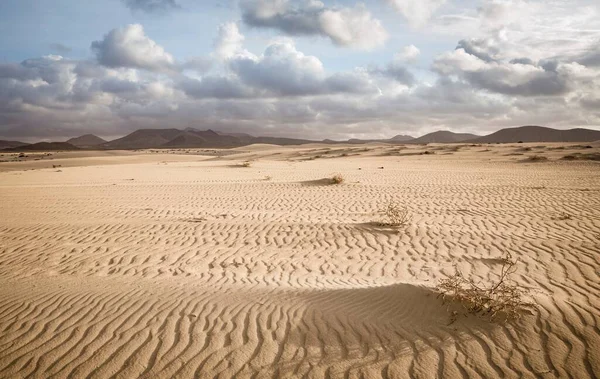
<point>337,179</point>
<point>563,216</point>
<point>246,164</point>
<point>582,157</point>
<point>396,215</point>
<point>536,158</point>
<point>501,298</point>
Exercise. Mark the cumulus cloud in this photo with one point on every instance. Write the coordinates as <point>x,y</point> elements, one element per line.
<point>151,5</point>
<point>229,41</point>
<point>505,78</point>
<point>591,57</point>
<point>130,47</point>
<point>352,27</point>
<point>416,13</point>
<point>408,54</point>
<point>218,87</point>
<point>283,70</point>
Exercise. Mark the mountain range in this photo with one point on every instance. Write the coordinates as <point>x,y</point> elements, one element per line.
<point>194,138</point>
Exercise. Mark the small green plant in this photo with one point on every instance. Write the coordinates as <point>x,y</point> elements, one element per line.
<point>503,297</point>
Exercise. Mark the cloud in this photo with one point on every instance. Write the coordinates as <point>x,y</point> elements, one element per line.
<point>481,48</point>
<point>408,54</point>
<point>507,75</point>
<point>60,48</point>
<point>545,79</point>
<point>416,13</point>
<point>130,47</point>
<point>591,57</point>
<point>198,64</point>
<point>350,27</point>
<point>285,71</point>
<point>218,87</point>
<point>229,41</point>
<point>151,6</point>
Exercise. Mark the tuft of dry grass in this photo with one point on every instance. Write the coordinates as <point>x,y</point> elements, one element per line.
<point>246,164</point>
<point>582,157</point>
<point>536,158</point>
<point>395,215</point>
<point>337,179</point>
<point>563,216</point>
<point>502,298</point>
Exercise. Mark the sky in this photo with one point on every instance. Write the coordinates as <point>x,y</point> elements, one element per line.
<point>296,68</point>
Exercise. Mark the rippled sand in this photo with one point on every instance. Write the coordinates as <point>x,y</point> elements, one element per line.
<point>182,265</point>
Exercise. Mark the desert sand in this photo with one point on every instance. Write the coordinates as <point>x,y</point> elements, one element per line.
<point>179,264</point>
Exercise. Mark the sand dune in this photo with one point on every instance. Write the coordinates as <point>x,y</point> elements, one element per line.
<point>182,265</point>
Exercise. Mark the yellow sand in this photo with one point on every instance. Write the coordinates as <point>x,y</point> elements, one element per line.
<point>179,265</point>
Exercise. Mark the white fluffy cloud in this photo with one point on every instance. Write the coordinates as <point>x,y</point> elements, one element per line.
<point>130,47</point>
<point>408,54</point>
<point>353,27</point>
<point>416,13</point>
<point>229,41</point>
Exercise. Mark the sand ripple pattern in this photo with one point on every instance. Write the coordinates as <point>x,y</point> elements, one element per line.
<point>204,270</point>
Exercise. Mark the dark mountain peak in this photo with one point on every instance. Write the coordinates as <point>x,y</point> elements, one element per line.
<point>401,138</point>
<point>86,140</point>
<point>444,136</point>
<point>10,144</point>
<point>533,133</point>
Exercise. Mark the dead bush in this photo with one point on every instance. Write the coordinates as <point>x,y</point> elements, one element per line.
<point>563,216</point>
<point>246,164</point>
<point>395,215</point>
<point>536,158</point>
<point>501,298</point>
<point>337,179</point>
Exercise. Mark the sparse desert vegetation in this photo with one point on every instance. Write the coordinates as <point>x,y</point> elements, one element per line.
<point>563,216</point>
<point>536,158</point>
<point>395,215</point>
<point>500,298</point>
<point>337,179</point>
<point>582,157</point>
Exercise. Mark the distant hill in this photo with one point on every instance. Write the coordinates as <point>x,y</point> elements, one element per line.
<point>539,134</point>
<point>88,140</point>
<point>192,138</point>
<point>45,146</point>
<point>143,139</point>
<point>444,136</point>
<point>401,138</point>
<point>9,144</point>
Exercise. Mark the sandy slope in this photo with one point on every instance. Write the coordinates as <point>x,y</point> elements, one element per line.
<point>195,267</point>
